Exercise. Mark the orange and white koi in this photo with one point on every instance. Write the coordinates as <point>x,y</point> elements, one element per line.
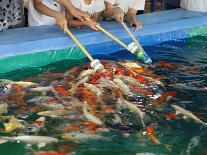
<point>61,90</point>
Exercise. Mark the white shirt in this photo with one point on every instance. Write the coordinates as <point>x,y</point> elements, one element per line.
<point>96,6</point>
<point>194,5</point>
<point>126,5</point>
<point>36,18</point>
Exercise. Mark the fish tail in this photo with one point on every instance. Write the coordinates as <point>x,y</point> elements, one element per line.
<point>204,125</point>
<point>169,147</point>
<point>4,139</point>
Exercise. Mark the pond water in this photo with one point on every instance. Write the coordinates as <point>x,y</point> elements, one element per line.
<point>188,78</point>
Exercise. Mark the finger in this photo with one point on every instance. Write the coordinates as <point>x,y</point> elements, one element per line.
<point>137,29</point>
<point>122,18</point>
<point>80,18</point>
<point>97,26</point>
<point>65,28</point>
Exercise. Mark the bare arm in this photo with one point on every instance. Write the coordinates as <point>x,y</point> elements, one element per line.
<point>115,12</point>
<point>79,24</point>
<point>74,11</point>
<point>60,19</point>
<point>132,20</point>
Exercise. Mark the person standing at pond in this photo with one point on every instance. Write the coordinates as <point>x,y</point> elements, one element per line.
<point>94,8</point>
<point>124,9</point>
<point>194,5</point>
<point>11,14</point>
<point>49,12</point>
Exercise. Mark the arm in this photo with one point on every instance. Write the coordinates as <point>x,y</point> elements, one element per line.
<point>60,19</point>
<point>79,24</point>
<point>132,20</point>
<point>115,12</point>
<point>74,11</point>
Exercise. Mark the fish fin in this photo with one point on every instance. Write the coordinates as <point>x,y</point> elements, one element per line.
<point>169,147</point>
<point>29,145</point>
<point>177,112</point>
<point>2,141</point>
<point>40,145</point>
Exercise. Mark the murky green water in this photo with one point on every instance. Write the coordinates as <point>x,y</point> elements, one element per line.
<point>191,94</point>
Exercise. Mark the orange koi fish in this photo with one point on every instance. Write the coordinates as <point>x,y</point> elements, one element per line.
<point>150,134</point>
<point>170,116</point>
<point>72,127</point>
<point>50,153</point>
<point>61,90</point>
<point>52,74</point>
<point>142,90</point>
<point>119,71</point>
<point>165,64</point>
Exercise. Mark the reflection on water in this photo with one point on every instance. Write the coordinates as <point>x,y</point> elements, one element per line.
<point>180,65</point>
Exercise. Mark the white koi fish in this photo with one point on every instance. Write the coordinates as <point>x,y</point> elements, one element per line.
<point>194,142</point>
<point>122,86</point>
<point>41,89</point>
<point>13,125</point>
<point>93,88</point>
<point>3,108</point>
<point>188,114</point>
<point>89,116</point>
<point>40,141</point>
<point>87,72</point>
<point>82,137</point>
<point>54,113</point>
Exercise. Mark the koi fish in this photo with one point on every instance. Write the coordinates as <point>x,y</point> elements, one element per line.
<point>134,109</point>
<point>3,108</point>
<point>170,116</point>
<point>87,73</point>
<point>13,125</point>
<point>50,153</point>
<point>188,114</point>
<point>61,90</point>
<point>82,137</point>
<point>25,84</point>
<point>194,142</point>
<point>122,86</point>
<point>107,82</point>
<point>53,74</point>
<point>90,117</point>
<point>21,83</point>
<point>54,113</point>
<point>42,90</point>
<point>150,134</point>
<point>132,64</point>
<point>40,141</point>
<point>165,64</point>
<point>93,88</point>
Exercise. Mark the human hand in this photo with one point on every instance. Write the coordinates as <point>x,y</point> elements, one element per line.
<point>137,24</point>
<point>119,14</point>
<point>92,25</point>
<point>61,21</point>
<point>79,14</point>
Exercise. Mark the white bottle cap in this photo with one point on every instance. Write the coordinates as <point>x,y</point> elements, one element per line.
<point>96,65</point>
